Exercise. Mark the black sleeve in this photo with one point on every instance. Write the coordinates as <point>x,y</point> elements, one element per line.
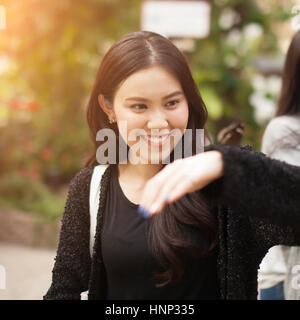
<point>71,270</point>
<point>258,186</point>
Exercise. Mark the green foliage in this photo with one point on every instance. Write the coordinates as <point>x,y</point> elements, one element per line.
<point>222,63</point>
<point>30,195</point>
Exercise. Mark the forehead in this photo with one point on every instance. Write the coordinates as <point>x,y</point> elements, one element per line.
<point>155,80</point>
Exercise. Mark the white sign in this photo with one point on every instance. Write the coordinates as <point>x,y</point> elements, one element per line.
<point>190,19</point>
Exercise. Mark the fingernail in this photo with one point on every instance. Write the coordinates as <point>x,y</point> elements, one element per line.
<point>146,214</point>
<point>143,212</point>
<point>140,209</point>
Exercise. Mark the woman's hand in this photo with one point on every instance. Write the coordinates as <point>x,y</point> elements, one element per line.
<point>178,178</point>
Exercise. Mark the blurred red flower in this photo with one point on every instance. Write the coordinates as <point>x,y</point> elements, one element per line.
<point>34,173</point>
<point>46,154</point>
<point>33,106</point>
<point>23,105</point>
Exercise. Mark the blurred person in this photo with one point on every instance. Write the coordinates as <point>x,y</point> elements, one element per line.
<point>281,141</point>
<point>195,228</point>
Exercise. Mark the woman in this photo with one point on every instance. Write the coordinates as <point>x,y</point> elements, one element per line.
<point>281,141</point>
<point>203,240</point>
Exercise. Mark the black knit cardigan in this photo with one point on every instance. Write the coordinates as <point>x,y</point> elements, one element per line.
<point>258,201</point>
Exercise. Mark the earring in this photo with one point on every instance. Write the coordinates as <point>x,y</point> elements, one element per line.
<point>111,120</point>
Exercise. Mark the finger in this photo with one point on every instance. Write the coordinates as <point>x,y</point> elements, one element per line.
<point>182,173</point>
<point>179,189</point>
<point>166,189</point>
<point>154,185</point>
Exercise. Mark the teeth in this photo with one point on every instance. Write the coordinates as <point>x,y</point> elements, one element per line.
<point>156,140</point>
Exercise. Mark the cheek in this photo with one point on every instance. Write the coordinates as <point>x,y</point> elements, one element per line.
<point>128,123</point>
<point>179,118</point>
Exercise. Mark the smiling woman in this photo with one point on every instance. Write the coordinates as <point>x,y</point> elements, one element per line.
<point>145,81</point>
<point>193,246</point>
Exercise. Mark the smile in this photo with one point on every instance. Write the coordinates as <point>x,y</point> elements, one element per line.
<point>156,141</point>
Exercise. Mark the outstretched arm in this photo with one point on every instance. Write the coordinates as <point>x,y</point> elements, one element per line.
<point>255,184</point>
<point>235,176</point>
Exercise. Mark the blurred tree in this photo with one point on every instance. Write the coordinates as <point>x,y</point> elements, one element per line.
<point>223,62</point>
<point>55,48</point>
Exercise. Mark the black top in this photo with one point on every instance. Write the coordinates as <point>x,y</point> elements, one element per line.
<point>128,262</point>
<point>258,207</point>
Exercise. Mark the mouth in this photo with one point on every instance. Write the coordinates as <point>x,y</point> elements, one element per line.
<point>155,141</point>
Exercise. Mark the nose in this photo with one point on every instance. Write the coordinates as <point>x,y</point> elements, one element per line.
<point>158,121</point>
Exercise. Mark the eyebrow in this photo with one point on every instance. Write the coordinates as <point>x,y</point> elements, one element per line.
<point>176,93</point>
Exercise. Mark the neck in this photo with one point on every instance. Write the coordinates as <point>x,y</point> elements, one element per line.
<point>140,173</point>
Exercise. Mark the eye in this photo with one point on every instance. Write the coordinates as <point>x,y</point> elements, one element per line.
<point>172,103</point>
<point>138,107</point>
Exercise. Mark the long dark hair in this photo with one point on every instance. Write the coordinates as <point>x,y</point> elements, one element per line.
<point>166,238</point>
<point>289,99</point>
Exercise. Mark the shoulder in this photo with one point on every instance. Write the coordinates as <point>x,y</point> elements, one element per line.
<point>79,186</point>
<point>281,130</point>
<point>280,126</point>
<point>82,177</point>
<point>278,123</point>
<point>89,177</point>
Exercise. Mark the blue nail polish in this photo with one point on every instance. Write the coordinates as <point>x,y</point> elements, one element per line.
<point>145,214</point>
<point>140,209</point>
